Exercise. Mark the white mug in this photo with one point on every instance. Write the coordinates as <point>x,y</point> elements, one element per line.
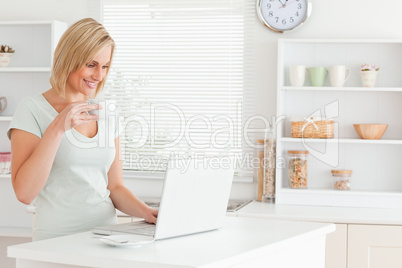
<point>108,109</point>
<point>3,104</point>
<point>338,74</point>
<point>298,74</point>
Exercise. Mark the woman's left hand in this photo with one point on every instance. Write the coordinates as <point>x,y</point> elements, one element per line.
<point>151,215</point>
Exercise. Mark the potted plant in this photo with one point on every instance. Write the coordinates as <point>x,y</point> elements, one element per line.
<point>5,55</point>
<point>368,74</point>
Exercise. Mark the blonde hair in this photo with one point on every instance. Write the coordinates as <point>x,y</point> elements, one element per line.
<point>78,46</point>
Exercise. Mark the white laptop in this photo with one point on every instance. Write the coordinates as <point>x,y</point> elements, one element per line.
<point>194,199</point>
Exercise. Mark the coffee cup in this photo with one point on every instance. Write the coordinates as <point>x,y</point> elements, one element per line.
<point>3,104</point>
<point>317,76</point>
<point>297,75</point>
<point>338,74</point>
<point>108,108</point>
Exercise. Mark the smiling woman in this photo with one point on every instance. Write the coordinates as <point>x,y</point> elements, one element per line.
<point>76,187</point>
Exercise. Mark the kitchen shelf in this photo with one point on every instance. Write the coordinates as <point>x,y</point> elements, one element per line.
<point>27,22</point>
<point>347,89</point>
<point>329,197</point>
<point>25,70</point>
<point>6,118</point>
<point>374,163</point>
<point>342,140</point>
<point>343,193</point>
<point>5,176</point>
<point>34,43</point>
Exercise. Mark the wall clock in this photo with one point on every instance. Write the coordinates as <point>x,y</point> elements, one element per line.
<point>283,15</point>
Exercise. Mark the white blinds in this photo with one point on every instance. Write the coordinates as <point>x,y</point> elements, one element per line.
<point>178,77</point>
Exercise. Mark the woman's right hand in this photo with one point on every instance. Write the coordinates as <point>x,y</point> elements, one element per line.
<point>76,114</point>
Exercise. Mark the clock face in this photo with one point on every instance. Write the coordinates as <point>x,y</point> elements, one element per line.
<point>283,15</point>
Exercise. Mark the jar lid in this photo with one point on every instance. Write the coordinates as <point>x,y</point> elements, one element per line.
<point>297,152</point>
<point>341,171</point>
<point>260,141</point>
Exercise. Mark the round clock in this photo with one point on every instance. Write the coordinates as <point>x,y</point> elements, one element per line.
<point>283,15</point>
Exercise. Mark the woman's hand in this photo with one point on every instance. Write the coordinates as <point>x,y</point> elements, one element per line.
<point>76,114</point>
<point>151,215</point>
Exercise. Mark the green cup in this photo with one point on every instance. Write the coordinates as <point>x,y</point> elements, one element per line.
<point>317,76</point>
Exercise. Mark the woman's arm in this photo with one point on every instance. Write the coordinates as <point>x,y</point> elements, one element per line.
<point>123,199</point>
<point>32,157</point>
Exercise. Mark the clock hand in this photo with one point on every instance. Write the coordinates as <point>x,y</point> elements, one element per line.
<point>281,3</point>
<point>287,3</point>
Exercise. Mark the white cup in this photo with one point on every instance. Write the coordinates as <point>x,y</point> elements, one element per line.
<point>338,74</point>
<point>108,108</point>
<point>298,75</point>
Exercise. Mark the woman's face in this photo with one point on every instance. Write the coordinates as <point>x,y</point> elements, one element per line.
<point>85,81</point>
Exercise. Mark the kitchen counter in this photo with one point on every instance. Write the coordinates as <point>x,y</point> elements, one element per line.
<point>391,216</point>
<point>242,242</point>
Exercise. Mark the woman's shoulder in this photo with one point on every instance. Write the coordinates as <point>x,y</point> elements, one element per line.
<point>31,106</point>
<point>32,100</point>
<point>32,103</point>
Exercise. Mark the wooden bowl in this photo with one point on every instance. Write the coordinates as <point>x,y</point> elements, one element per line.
<point>370,131</point>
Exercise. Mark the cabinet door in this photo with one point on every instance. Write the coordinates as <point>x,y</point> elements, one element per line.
<point>335,250</point>
<point>374,246</point>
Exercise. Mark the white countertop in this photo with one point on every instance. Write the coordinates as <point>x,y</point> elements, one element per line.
<point>240,239</point>
<point>350,215</point>
<point>390,216</point>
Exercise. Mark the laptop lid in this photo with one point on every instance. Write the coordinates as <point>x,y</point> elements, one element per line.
<point>195,196</point>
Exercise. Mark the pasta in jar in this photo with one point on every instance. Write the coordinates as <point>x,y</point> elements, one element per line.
<point>297,169</point>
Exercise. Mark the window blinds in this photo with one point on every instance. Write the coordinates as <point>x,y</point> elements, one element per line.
<point>178,77</point>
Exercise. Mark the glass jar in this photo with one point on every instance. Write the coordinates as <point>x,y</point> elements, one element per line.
<point>260,181</point>
<point>266,172</point>
<point>5,163</point>
<point>341,179</point>
<point>297,169</point>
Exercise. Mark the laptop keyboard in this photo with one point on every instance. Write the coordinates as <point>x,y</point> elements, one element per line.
<point>146,229</point>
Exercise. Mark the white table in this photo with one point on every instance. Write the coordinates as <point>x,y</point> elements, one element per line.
<point>242,242</point>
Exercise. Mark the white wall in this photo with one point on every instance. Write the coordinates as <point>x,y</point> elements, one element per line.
<point>329,19</point>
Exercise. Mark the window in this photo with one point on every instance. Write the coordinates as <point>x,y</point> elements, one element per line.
<point>179,77</point>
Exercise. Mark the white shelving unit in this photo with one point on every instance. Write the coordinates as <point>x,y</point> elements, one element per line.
<point>376,179</point>
<point>34,43</point>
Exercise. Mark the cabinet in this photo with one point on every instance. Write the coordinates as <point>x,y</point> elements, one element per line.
<point>375,163</point>
<point>374,246</point>
<point>336,247</point>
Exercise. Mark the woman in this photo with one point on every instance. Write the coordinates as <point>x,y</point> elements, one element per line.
<point>76,187</point>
